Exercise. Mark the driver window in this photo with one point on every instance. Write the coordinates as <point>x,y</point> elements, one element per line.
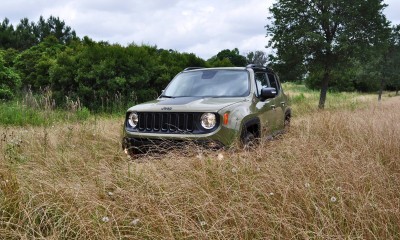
<point>261,81</point>
<point>273,81</point>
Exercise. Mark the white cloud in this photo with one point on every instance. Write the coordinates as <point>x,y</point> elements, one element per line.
<point>392,11</point>
<point>203,27</point>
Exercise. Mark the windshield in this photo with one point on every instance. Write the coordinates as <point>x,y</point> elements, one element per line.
<point>209,83</point>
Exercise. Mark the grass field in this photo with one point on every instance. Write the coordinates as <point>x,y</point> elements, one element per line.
<point>334,175</point>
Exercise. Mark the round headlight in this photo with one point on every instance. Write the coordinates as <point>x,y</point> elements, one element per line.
<point>208,120</point>
<point>133,119</point>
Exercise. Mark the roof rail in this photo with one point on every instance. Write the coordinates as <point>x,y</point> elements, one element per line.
<point>254,66</point>
<point>192,68</point>
<point>259,67</point>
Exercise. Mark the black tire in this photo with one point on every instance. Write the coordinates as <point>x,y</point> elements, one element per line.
<point>286,123</point>
<point>248,139</point>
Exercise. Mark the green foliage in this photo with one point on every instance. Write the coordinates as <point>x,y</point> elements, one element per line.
<point>14,114</point>
<point>80,73</point>
<point>344,77</point>
<point>7,37</point>
<point>216,62</point>
<point>257,57</point>
<point>392,63</point>
<point>83,114</point>
<point>28,34</point>
<point>9,79</point>
<point>108,77</point>
<point>228,58</point>
<point>289,66</point>
<point>298,99</point>
<point>33,64</point>
<point>304,100</point>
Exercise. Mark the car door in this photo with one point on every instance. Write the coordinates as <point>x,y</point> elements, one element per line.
<point>266,108</point>
<point>279,101</point>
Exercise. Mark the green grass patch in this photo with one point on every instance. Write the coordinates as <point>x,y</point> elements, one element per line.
<point>304,100</point>
<point>15,114</point>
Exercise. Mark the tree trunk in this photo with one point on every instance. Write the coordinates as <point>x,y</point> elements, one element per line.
<point>382,85</point>
<point>380,90</point>
<point>324,90</point>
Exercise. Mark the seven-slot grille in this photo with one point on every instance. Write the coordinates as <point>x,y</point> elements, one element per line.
<point>167,122</point>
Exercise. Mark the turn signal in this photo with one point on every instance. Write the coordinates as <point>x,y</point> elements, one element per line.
<point>226,118</point>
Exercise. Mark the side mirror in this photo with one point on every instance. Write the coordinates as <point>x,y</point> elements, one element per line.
<point>268,92</point>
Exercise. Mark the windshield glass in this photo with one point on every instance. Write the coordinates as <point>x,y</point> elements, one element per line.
<point>209,83</point>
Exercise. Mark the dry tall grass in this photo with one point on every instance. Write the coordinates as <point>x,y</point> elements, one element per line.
<point>334,175</point>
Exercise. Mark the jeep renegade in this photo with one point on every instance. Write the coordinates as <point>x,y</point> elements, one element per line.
<point>215,107</point>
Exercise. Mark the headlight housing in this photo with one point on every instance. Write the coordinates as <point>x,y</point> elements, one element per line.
<point>133,119</point>
<point>208,120</point>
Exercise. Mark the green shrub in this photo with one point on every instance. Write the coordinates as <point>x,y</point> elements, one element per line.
<point>14,114</point>
<point>83,114</point>
<point>297,99</point>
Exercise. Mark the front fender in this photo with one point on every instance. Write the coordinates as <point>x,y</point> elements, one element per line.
<point>239,114</point>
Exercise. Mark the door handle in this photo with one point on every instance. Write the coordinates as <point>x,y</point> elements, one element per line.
<point>273,107</point>
<point>283,103</point>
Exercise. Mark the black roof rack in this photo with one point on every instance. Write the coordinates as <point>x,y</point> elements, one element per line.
<point>255,66</point>
<point>192,68</point>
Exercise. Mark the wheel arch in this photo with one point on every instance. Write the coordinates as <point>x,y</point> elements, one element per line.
<point>252,125</point>
<point>288,113</point>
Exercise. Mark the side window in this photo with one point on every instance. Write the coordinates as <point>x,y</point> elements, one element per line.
<point>261,81</point>
<point>274,82</point>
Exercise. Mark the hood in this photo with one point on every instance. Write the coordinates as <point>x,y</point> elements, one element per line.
<point>186,104</point>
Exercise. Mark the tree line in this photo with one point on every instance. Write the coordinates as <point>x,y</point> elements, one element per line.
<point>48,56</point>
<point>318,42</point>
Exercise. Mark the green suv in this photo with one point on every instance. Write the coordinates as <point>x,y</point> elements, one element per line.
<point>214,107</point>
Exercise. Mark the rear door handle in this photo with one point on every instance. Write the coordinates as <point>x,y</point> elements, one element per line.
<point>283,103</point>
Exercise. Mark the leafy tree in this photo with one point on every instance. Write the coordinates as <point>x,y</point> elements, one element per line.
<point>325,34</point>
<point>233,56</point>
<point>25,35</point>
<point>257,57</point>
<point>28,34</point>
<point>9,79</point>
<point>33,65</point>
<point>392,70</point>
<point>171,63</point>
<point>216,62</point>
<point>289,65</point>
<point>97,72</point>
<point>55,27</point>
<point>7,37</point>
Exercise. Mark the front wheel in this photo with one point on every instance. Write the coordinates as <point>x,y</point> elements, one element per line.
<point>248,139</point>
<point>132,150</point>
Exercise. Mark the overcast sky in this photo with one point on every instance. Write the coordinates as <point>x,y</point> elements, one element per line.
<point>203,27</point>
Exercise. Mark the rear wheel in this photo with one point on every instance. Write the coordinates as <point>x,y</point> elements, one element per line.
<point>287,122</point>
